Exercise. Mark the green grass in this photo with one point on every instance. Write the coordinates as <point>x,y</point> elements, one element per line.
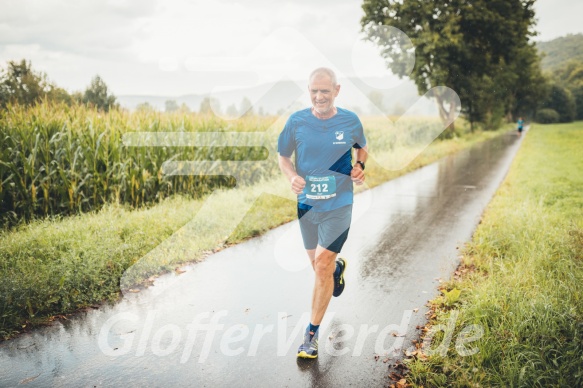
<point>521,277</point>
<point>59,264</point>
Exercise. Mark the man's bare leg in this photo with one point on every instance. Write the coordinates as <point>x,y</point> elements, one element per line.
<point>312,255</point>
<point>324,264</point>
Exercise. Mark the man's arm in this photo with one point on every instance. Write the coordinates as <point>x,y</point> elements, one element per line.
<point>287,167</point>
<point>357,174</point>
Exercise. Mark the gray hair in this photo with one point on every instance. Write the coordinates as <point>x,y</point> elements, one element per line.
<point>324,71</point>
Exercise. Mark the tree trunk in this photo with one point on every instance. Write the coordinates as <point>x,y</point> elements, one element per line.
<point>447,115</point>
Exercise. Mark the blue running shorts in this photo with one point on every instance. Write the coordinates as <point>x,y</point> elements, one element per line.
<point>328,229</point>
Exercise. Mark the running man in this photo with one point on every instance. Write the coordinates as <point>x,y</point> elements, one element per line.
<point>520,124</point>
<point>322,138</point>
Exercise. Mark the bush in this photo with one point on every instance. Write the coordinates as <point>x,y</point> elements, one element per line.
<point>562,101</point>
<point>547,116</point>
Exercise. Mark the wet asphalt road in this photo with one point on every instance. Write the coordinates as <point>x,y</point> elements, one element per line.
<point>237,318</point>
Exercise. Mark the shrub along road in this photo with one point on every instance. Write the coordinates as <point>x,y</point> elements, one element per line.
<point>237,317</point>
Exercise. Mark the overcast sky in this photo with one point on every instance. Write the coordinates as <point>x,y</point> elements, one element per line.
<point>176,47</point>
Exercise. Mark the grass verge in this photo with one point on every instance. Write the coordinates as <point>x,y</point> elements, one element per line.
<point>521,279</point>
<point>59,265</point>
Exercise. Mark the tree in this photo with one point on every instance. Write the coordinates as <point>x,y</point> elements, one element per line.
<point>530,86</point>
<point>376,101</point>
<point>171,106</point>
<point>246,108</point>
<point>398,110</point>
<point>144,107</point>
<point>570,76</point>
<point>561,100</point>
<point>184,108</point>
<point>20,84</point>
<point>232,111</point>
<point>97,95</point>
<point>468,46</point>
<point>210,105</point>
<point>57,94</point>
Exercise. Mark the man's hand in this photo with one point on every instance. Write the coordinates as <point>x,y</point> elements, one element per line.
<point>357,174</point>
<point>297,184</point>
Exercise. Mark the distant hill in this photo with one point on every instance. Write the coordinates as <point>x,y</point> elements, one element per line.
<point>561,50</point>
<point>274,97</point>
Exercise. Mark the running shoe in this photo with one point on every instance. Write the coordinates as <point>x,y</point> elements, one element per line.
<point>309,349</point>
<point>339,282</point>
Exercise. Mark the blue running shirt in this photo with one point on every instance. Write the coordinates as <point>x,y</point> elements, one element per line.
<point>323,149</point>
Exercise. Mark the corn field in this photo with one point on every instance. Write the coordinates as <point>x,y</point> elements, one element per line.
<point>60,160</point>
<point>63,160</point>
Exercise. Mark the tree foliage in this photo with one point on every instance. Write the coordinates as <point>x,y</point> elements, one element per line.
<point>481,49</point>
<point>97,94</point>
<point>547,116</point>
<point>560,100</point>
<point>20,84</point>
<point>570,76</point>
<point>145,107</point>
<point>171,106</point>
<point>232,111</point>
<point>184,108</point>
<point>563,61</point>
<point>376,101</point>
<point>210,105</point>
<point>246,107</point>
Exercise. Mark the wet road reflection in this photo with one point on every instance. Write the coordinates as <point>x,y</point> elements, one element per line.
<point>236,319</point>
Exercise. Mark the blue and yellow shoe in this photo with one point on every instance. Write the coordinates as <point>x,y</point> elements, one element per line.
<point>339,279</point>
<point>309,349</point>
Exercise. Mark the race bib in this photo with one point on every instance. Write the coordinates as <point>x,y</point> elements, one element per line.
<point>320,187</point>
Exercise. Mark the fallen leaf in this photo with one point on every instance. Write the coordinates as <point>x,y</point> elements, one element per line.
<point>401,383</point>
<point>29,379</point>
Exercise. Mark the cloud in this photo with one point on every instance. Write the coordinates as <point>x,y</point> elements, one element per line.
<point>154,46</point>
<point>90,28</point>
<point>149,47</point>
<point>558,18</point>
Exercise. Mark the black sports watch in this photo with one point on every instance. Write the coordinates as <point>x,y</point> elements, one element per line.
<point>361,164</point>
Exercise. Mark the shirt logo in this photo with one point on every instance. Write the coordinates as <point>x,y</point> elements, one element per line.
<point>339,135</point>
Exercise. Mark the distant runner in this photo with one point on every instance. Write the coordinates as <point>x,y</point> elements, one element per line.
<point>322,138</point>
<point>520,125</point>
